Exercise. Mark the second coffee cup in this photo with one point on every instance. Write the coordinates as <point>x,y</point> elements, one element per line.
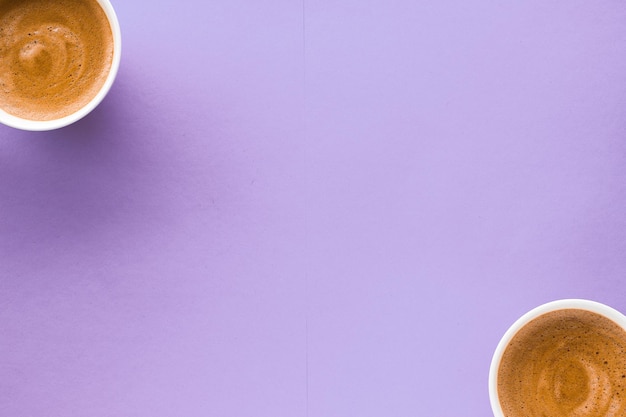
<point>563,358</point>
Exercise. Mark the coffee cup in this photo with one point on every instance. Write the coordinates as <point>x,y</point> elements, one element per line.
<point>563,358</point>
<point>58,60</point>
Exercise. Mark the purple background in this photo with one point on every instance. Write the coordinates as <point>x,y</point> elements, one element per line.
<point>329,208</point>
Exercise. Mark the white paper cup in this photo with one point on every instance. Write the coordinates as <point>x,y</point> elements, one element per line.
<point>40,125</point>
<point>579,304</point>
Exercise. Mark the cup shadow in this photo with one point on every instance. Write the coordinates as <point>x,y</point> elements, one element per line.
<point>71,187</point>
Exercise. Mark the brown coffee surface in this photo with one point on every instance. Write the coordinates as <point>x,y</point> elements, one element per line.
<point>55,55</point>
<point>568,363</point>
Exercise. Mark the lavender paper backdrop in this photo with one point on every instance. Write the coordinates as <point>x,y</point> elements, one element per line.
<point>319,208</point>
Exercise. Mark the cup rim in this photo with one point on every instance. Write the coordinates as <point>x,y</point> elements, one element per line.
<point>43,125</point>
<point>571,303</point>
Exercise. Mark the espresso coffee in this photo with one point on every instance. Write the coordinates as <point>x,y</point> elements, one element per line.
<point>55,55</point>
<point>564,363</point>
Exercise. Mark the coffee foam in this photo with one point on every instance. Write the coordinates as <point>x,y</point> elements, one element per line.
<point>565,363</point>
<point>54,56</point>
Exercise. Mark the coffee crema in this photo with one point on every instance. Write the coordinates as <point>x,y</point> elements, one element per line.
<point>565,363</point>
<point>55,55</point>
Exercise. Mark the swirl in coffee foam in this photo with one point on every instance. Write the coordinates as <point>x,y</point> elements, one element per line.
<point>55,55</point>
<point>567,363</point>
